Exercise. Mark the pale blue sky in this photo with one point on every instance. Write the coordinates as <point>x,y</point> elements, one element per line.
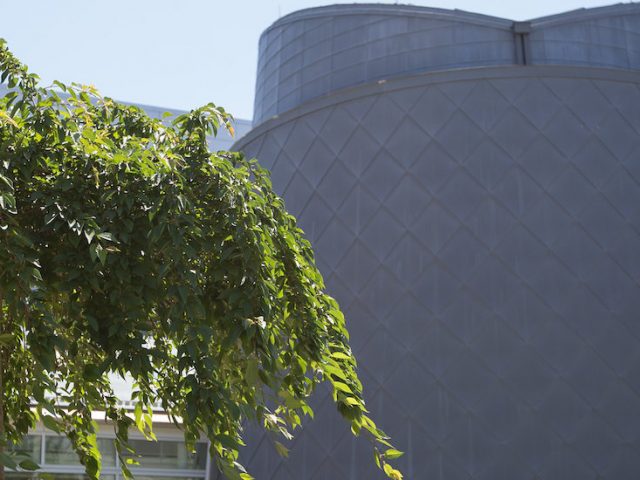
<point>178,54</point>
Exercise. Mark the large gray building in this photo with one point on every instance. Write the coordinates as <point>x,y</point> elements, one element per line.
<point>472,189</point>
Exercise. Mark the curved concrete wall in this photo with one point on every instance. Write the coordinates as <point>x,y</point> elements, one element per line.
<point>314,52</point>
<point>481,230</point>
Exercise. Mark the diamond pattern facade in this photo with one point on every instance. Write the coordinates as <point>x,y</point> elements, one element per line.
<point>482,234</point>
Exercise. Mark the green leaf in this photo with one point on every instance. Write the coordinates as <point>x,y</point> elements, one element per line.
<point>97,252</point>
<point>343,387</point>
<point>392,454</point>
<point>29,465</point>
<point>392,472</point>
<point>376,457</point>
<point>251,372</point>
<point>51,423</point>
<point>92,251</point>
<point>340,356</point>
<point>35,273</point>
<point>352,401</point>
<point>6,339</point>
<point>89,234</point>
<point>137,413</point>
<point>106,236</point>
<point>227,441</point>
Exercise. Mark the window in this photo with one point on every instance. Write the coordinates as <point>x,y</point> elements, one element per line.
<point>166,459</point>
<point>29,446</point>
<point>58,451</point>
<point>169,454</point>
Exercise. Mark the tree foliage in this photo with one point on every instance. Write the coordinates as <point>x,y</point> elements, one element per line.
<point>129,248</point>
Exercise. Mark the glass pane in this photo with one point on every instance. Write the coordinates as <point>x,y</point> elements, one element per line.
<point>30,446</point>
<point>58,451</point>
<point>108,452</point>
<point>168,454</point>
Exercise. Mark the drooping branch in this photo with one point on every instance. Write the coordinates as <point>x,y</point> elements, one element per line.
<point>141,253</point>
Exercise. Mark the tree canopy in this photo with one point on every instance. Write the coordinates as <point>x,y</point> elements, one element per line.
<point>129,248</point>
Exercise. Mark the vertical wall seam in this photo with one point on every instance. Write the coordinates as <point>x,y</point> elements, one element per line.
<point>521,32</point>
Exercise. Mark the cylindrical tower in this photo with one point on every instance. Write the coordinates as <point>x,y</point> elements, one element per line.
<point>480,227</point>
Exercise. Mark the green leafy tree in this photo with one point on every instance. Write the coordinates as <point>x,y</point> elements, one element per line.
<point>128,248</point>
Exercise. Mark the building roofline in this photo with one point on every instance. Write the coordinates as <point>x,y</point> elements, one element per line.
<point>582,14</point>
<point>391,10</point>
<point>435,77</point>
<point>452,15</point>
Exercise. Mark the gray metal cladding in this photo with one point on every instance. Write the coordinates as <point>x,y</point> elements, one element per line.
<point>309,53</point>
<point>314,52</point>
<point>607,37</point>
<point>479,226</point>
<point>481,230</point>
